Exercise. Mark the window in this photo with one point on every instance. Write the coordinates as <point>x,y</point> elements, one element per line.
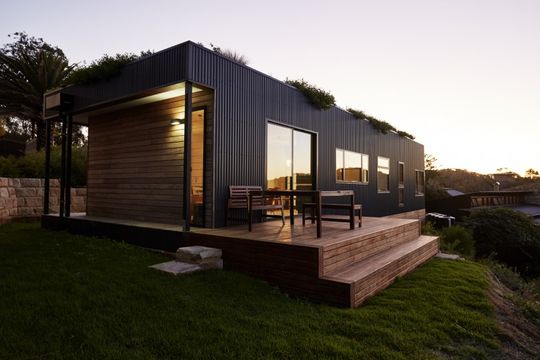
<point>383,174</point>
<point>419,182</point>
<point>352,167</point>
<point>401,183</point>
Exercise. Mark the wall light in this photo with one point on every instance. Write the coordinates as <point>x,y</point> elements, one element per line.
<point>177,121</point>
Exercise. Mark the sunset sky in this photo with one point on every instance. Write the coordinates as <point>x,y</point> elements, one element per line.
<point>462,76</point>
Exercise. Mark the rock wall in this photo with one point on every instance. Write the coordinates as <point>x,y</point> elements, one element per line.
<point>23,198</point>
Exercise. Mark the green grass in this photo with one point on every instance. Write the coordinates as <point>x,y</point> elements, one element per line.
<point>73,297</point>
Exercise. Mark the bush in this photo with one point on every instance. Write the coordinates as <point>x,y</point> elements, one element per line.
<point>429,229</point>
<point>457,239</point>
<point>508,236</point>
<point>32,165</point>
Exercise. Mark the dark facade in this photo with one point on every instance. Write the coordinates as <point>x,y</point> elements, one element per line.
<point>245,101</point>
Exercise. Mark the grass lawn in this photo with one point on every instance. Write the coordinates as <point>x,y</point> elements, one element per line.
<point>74,297</point>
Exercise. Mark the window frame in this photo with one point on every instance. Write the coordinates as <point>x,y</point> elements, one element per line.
<point>416,192</point>
<point>387,191</point>
<point>362,168</point>
<point>401,183</point>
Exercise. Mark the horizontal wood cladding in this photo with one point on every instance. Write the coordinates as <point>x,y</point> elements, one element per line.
<point>135,163</point>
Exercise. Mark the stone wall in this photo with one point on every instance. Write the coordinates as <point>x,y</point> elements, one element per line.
<point>23,198</point>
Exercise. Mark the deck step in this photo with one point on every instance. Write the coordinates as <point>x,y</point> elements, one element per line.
<point>339,256</point>
<point>373,274</point>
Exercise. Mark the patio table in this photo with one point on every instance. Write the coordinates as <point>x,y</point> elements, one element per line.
<point>316,195</point>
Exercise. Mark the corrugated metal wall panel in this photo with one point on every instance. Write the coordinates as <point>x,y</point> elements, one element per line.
<point>245,99</point>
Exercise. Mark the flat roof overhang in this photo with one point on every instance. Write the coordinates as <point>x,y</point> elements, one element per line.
<point>54,99</point>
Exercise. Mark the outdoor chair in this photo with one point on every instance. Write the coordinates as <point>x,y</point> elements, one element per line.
<point>239,199</point>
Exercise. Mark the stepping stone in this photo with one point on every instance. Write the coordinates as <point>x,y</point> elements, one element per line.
<point>176,267</point>
<point>200,255</point>
<point>448,256</point>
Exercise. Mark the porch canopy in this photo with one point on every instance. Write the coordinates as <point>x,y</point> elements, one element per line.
<point>152,79</point>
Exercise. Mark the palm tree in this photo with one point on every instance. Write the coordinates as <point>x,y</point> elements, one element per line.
<point>28,68</point>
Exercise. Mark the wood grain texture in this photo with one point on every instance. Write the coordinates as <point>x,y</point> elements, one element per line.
<point>136,161</point>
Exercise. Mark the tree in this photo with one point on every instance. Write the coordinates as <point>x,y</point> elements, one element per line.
<point>531,173</point>
<point>28,68</point>
<point>430,162</point>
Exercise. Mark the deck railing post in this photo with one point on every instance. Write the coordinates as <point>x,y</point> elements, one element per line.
<point>187,157</point>
<point>69,145</point>
<point>47,183</point>
<point>61,210</point>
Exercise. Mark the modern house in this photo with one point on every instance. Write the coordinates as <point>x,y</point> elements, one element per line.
<point>173,130</point>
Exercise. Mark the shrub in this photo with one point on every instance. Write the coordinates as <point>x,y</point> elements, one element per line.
<point>457,239</point>
<point>429,229</point>
<point>405,134</point>
<point>381,126</point>
<point>508,236</point>
<point>319,98</point>
<point>32,165</point>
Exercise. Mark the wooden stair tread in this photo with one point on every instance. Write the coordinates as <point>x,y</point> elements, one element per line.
<point>359,270</point>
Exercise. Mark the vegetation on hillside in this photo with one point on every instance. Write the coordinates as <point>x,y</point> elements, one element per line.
<point>89,298</point>
<point>468,181</point>
<point>32,165</point>
<point>508,236</point>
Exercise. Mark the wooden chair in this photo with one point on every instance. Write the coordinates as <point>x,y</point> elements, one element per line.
<point>351,209</point>
<point>239,199</point>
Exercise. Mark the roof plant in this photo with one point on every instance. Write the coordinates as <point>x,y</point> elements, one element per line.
<point>231,54</point>
<point>380,125</point>
<point>103,68</point>
<point>321,99</point>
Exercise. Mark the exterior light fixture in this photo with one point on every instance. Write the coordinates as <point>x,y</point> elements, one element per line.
<point>177,121</point>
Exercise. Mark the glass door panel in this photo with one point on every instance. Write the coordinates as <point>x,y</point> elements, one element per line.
<point>279,158</point>
<point>289,161</point>
<point>197,168</point>
<point>302,177</point>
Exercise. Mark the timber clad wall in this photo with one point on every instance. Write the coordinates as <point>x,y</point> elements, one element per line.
<point>135,159</point>
<point>135,163</point>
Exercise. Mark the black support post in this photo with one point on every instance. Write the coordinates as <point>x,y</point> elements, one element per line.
<point>63,166</point>
<point>69,145</point>
<point>47,184</point>
<point>187,156</point>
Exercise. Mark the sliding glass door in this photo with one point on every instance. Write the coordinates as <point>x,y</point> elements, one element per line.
<point>290,159</point>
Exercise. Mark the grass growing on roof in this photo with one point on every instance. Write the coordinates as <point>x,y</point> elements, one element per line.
<point>66,296</point>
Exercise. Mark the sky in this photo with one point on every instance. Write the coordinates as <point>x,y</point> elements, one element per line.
<point>462,76</point>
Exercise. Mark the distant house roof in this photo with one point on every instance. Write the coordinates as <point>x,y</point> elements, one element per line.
<point>453,192</point>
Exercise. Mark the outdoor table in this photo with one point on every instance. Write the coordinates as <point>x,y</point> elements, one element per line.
<point>316,194</point>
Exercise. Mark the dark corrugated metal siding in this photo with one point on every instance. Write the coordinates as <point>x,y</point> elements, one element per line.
<point>246,99</point>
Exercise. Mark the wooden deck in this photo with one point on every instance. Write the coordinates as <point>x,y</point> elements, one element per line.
<point>343,267</point>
